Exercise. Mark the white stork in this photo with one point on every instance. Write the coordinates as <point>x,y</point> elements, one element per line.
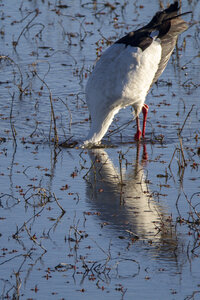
<point>127,70</point>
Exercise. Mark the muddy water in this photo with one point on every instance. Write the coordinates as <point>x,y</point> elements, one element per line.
<point>117,222</point>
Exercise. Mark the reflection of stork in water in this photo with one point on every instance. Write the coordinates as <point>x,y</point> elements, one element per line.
<point>125,202</point>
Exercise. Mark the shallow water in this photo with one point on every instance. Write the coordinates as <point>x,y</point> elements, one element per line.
<point>117,222</point>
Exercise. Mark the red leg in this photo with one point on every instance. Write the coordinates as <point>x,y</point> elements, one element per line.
<point>145,112</point>
<point>138,133</point>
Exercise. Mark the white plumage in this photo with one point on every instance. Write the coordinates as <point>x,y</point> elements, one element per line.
<point>126,71</point>
<point>120,71</point>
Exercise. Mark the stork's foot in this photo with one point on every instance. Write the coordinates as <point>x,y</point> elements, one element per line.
<point>138,135</point>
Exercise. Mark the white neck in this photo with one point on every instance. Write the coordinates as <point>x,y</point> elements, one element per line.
<point>100,126</point>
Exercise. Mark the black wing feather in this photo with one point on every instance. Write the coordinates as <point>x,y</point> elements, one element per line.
<point>136,39</point>
<point>169,25</point>
<point>142,37</point>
